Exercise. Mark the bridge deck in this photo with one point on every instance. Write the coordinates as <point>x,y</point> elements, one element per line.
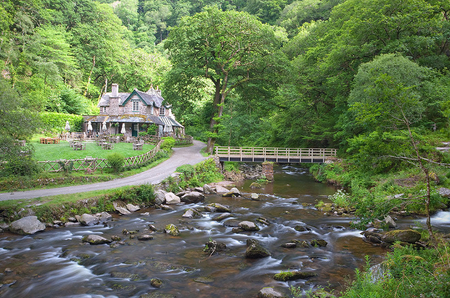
<point>278,155</point>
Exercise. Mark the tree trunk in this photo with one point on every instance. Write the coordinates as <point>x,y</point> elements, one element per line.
<point>213,122</point>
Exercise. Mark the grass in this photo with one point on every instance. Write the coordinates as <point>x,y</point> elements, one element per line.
<point>64,151</point>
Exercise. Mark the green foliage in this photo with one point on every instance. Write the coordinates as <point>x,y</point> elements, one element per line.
<point>116,161</point>
<point>168,143</point>
<point>207,172</point>
<point>407,272</point>
<point>187,170</point>
<point>55,122</point>
<point>230,166</point>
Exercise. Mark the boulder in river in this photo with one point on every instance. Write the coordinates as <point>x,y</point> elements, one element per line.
<point>269,292</point>
<point>212,246</point>
<point>160,197</point>
<point>172,229</point>
<point>221,189</point>
<point>121,207</point>
<point>192,213</point>
<point>409,236</point>
<point>145,237</point>
<point>172,199</point>
<point>193,197</point>
<point>27,226</point>
<point>132,208</point>
<point>318,243</point>
<point>219,207</point>
<point>302,228</point>
<point>255,250</point>
<point>222,216</point>
<point>207,189</point>
<point>234,192</point>
<point>248,226</point>
<point>156,282</point>
<point>88,220</point>
<point>293,275</point>
<point>95,239</point>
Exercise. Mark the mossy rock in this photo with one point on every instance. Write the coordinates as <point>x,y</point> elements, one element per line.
<point>293,275</point>
<point>172,229</point>
<point>409,236</point>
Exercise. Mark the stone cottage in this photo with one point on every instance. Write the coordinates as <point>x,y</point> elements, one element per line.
<point>131,113</point>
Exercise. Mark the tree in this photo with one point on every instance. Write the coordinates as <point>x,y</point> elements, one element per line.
<point>229,48</point>
<point>18,123</point>
<point>388,100</point>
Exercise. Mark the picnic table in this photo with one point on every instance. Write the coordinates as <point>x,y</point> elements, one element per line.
<point>107,146</point>
<point>138,146</point>
<point>49,140</point>
<point>79,146</point>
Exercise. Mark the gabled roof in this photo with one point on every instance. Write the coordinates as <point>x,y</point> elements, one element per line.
<point>151,98</point>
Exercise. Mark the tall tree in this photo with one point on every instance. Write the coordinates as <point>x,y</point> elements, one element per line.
<point>229,48</point>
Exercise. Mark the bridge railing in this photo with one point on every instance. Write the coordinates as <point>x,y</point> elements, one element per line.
<point>275,152</point>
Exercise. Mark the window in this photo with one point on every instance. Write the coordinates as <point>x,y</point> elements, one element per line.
<point>135,106</point>
<point>161,111</point>
<point>103,109</point>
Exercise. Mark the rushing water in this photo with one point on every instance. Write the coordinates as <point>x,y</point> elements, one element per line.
<point>56,263</point>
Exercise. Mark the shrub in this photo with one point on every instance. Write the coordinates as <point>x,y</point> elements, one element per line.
<point>116,161</point>
<point>187,170</point>
<point>168,143</point>
<point>55,122</point>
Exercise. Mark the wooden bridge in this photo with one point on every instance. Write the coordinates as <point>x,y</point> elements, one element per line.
<point>278,155</point>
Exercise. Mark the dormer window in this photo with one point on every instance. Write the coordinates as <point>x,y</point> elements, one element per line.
<point>161,111</point>
<point>135,106</point>
<point>103,109</point>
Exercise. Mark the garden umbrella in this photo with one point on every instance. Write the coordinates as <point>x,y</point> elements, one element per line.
<point>104,128</point>
<point>89,126</point>
<point>123,131</point>
<point>67,127</point>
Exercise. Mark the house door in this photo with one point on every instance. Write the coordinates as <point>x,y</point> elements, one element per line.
<point>134,130</point>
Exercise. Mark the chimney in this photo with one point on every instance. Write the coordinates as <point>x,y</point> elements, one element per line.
<point>115,90</point>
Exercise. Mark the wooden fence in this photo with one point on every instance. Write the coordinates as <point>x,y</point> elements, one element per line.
<point>90,163</point>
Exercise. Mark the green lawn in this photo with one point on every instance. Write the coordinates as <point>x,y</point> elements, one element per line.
<point>64,151</point>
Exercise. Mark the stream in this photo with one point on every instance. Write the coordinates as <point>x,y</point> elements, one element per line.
<point>56,263</point>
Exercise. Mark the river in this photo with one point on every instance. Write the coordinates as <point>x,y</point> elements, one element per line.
<point>56,263</point>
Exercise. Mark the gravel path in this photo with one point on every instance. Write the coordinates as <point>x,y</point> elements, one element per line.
<point>185,155</point>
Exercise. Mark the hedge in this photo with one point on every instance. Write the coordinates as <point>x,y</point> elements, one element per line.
<point>56,122</point>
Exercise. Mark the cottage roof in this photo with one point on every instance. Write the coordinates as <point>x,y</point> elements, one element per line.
<point>105,99</point>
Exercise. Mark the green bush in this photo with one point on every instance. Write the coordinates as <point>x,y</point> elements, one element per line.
<point>207,172</point>
<point>116,161</point>
<point>55,122</point>
<point>231,166</point>
<point>19,166</point>
<point>187,170</point>
<point>168,143</point>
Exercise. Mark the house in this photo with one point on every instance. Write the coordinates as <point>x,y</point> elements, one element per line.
<point>131,113</point>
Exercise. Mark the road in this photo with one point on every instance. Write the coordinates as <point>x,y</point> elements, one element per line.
<point>185,155</point>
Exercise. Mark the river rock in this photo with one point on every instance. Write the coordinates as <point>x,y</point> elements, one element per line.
<point>445,192</point>
<point>193,197</point>
<point>172,199</point>
<point>255,197</point>
<point>390,222</point>
<point>191,213</point>
<point>104,216</point>
<point>172,229</point>
<point>156,282</point>
<point>318,243</point>
<point>221,189</point>
<point>27,226</point>
<point>219,207</point>
<point>160,197</point>
<point>263,220</point>
<point>212,246</point>
<point>198,188</point>
<point>145,237</point>
<point>152,228</point>
<point>222,216</point>
<point>207,189</point>
<point>234,192</point>
<point>248,226</point>
<point>409,236</point>
<point>95,239</point>
<point>269,293</point>
<point>121,208</point>
<point>132,208</point>
<point>255,250</point>
<point>289,245</point>
<point>166,207</point>
<point>293,275</point>
<point>302,228</point>
<point>88,219</point>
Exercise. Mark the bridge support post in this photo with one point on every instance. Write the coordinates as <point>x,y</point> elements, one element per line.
<point>267,170</point>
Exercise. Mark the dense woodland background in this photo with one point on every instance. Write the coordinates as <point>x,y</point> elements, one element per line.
<point>308,74</point>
